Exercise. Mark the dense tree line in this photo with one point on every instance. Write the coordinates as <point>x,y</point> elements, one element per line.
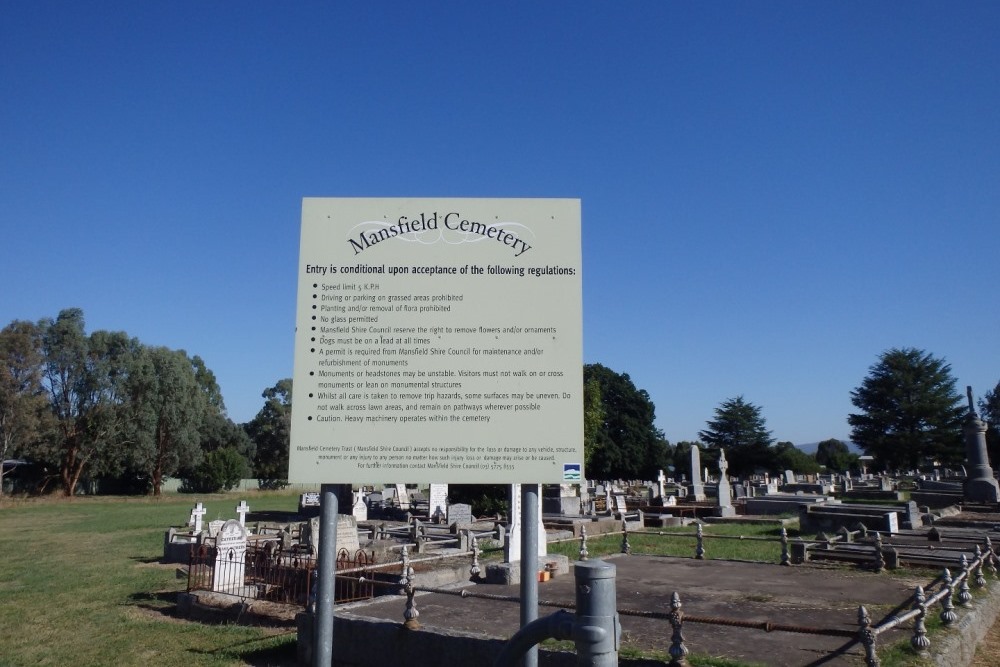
<point>104,406</point>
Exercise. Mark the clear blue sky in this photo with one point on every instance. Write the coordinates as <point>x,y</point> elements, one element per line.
<point>774,193</point>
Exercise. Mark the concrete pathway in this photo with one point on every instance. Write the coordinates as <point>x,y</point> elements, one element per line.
<point>805,596</point>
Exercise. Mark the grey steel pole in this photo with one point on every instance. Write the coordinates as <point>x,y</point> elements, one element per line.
<point>327,569</point>
<point>529,564</point>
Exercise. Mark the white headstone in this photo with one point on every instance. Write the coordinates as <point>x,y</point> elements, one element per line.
<point>661,480</point>
<point>697,487</point>
<point>360,508</point>
<point>620,503</point>
<point>230,557</point>
<point>512,548</point>
<point>438,502</point>
<point>725,491</point>
<point>402,497</point>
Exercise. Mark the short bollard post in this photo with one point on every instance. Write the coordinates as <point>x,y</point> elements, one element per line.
<point>597,630</point>
<point>919,641</point>
<point>678,652</point>
<point>948,615</point>
<point>786,558</point>
<point>964,594</point>
<point>474,568</point>
<point>626,547</point>
<point>583,543</point>
<point>867,637</point>
<point>699,550</point>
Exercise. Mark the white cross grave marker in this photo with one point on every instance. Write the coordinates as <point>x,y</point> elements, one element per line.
<point>243,509</point>
<point>196,514</point>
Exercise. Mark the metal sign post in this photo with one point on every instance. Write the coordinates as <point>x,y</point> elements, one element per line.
<point>529,560</point>
<point>327,569</point>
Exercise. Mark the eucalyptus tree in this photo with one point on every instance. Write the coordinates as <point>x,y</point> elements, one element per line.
<point>167,409</point>
<point>85,377</point>
<point>22,397</point>
<point>270,431</point>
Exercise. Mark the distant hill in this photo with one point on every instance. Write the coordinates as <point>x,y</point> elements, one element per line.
<point>811,447</point>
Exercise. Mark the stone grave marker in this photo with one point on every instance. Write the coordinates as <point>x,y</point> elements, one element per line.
<point>196,518</point>
<point>347,534</point>
<point>230,557</point>
<point>242,510</point>
<point>437,508</point>
<point>725,492</point>
<point>309,502</point>
<point>402,497</point>
<point>512,548</point>
<point>620,503</point>
<point>697,486</point>
<point>790,477</point>
<point>360,508</point>
<point>215,526</point>
<point>460,514</point>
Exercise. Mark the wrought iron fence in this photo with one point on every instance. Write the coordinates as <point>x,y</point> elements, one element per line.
<point>272,574</point>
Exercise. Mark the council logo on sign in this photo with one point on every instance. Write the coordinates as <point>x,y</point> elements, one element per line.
<point>571,472</point>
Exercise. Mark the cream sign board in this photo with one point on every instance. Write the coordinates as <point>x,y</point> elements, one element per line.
<point>438,340</point>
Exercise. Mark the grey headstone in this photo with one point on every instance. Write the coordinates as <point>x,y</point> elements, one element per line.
<point>460,513</point>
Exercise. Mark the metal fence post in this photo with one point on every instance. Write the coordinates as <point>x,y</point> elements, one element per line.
<point>785,557</point>
<point>583,543</point>
<point>980,578</point>
<point>919,641</point>
<point>948,615</point>
<point>867,636</point>
<point>474,568</point>
<point>964,594</point>
<point>678,652</point>
<point>626,547</point>
<point>410,614</point>
<point>699,550</point>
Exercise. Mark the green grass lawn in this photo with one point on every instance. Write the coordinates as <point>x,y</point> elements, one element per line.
<point>721,541</point>
<point>81,584</point>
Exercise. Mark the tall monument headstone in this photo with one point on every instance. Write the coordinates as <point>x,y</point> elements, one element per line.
<point>725,492</point>
<point>697,492</point>
<point>512,548</point>
<point>980,485</point>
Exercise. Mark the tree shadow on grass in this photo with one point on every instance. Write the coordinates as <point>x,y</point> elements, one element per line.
<point>281,654</point>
